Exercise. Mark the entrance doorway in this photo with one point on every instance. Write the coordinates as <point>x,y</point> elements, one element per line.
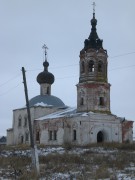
<point>100,136</point>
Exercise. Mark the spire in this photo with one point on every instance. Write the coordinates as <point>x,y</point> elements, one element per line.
<point>93,40</point>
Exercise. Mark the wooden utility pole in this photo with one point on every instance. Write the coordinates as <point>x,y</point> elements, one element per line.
<point>34,154</point>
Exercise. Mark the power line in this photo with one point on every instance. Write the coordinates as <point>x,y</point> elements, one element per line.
<point>125,54</point>
<point>10,90</point>
<point>67,77</point>
<point>124,67</point>
<point>11,79</point>
<point>71,65</point>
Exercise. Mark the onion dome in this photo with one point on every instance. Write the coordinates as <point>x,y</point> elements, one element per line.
<point>45,76</point>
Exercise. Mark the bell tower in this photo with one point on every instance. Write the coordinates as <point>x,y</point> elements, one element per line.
<point>93,89</point>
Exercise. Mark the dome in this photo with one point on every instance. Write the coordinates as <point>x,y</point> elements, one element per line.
<point>45,76</point>
<point>48,100</point>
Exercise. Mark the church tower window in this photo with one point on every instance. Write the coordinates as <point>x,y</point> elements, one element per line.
<point>91,66</point>
<point>48,90</point>
<point>82,67</point>
<point>101,101</point>
<point>100,66</point>
<point>81,101</point>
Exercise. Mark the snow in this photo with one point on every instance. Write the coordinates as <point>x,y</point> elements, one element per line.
<point>66,112</point>
<point>120,174</point>
<point>85,114</point>
<point>42,104</point>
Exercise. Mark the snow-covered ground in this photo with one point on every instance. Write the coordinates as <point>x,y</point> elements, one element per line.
<point>127,173</point>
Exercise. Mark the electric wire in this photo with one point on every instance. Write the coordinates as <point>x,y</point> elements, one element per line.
<point>117,68</point>
<point>124,67</point>
<point>72,65</point>
<point>11,79</point>
<point>10,90</point>
<point>125,54</point>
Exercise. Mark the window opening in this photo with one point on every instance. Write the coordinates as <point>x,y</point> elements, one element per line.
<point>37,136</point>
<point>55,135</point>
<point>101,101</point>
<point>25,121</point>
<point>82,67</point>
<point>74,135</point>
<point>50,135</point>
<point>91,66</point>
<point>26,137</point>
<point>21,139</point>
<point>19,122</point>
<point>81,101</point>
<point>100,66</point>
<point>48,90</point>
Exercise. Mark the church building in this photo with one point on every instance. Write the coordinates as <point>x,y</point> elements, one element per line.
<point>54,123</point>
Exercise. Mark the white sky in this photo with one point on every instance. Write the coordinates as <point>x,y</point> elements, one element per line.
<point>64,25</point>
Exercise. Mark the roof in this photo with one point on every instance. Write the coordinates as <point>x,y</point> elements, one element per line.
<point>72,112</point>
<point>66,112</point>
<point>46,100</point>
<point>3,140</point>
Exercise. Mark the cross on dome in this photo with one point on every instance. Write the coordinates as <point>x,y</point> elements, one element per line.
<point>44,47</point>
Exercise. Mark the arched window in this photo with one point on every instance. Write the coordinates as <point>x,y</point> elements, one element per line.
<point>100,66</point>
<point>82,67</point>
<point>101,101</point>
<point>91,66</point>
<point>19,121</point>
<point>81,101</point>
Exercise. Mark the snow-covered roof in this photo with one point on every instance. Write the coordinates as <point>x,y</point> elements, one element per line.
<point>64,113</point>
<point>72,112</point>
<point>68,112</point>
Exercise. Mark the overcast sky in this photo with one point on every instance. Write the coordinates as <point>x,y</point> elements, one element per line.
<point>63,26</point>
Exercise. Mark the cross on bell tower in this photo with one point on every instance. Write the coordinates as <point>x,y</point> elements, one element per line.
<point>94,5</point>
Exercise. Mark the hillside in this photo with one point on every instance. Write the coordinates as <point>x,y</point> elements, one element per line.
<point>104,161</point>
